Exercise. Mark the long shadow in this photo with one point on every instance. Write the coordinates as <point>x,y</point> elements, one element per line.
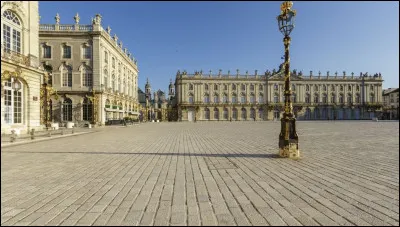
<point>165,154</point>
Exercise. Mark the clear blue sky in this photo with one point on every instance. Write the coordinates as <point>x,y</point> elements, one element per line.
<point>168,36</point>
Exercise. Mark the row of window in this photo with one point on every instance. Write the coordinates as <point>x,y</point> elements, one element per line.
<point>66,77</point>
<point>87,110</point>
<point>12,31</point>
<point>243,87</point>
<point>225,99</point>
<point>225,113</point>
<point>67,52</point>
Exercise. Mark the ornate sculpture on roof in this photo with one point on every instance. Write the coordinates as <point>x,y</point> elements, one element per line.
<point>108,30</point>
<point>97,20</point>
<point>57,18</point>
<point>77,18</point>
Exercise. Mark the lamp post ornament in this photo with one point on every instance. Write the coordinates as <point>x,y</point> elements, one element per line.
<point>288,139</point>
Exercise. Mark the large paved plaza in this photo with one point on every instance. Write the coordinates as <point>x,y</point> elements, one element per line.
<point>207,173</point>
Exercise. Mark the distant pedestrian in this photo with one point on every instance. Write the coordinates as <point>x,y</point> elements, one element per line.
<point>254,118</point>
<point>230,119</point>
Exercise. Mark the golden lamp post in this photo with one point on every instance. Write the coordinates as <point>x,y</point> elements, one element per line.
<point>288,139</point>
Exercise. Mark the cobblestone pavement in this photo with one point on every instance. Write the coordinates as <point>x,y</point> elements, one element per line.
<point>221,173</point>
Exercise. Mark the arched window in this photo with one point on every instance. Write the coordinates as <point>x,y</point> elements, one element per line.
<point>307,99</point>
<point>252,99</point>
<point>225,113</point>
<point>349,88</point>
<point>324,98</point>
<point>113,82</point>
<point>349,99</point>
<point>252,87</point>
<point>11,31</point>
<point>105,78</point>
<point>206,87</point>
<point>215,87</point>
<point>66,73</point>
<point>261,98</point>
<point>13,108</point>
<point>316,98</point>
<point>216,100</point>
<point>333,98</point>
<point>243,98</point>
<point>87,52</point>
<point>216,113</point>
<point>324,87</point>
<point>67,110</point>
<point>206,98</point>
<point>234,99</point>
<point>372,97</point>
<point>234,113</point>
<point>260,113</point>
<point>276,86</point>
<point>233,87</point>
<point>357,98</point>
<point>333,87</point>
<point>225,98</point>
<point>87,109</point>
<point>191,98</point>
<point>87,77</point>
<point>341,99</point>
<point>252,113</point>
<point>244,114</point>
<point>105,57</point>
<point>190,87</point>
<point>206,114</point>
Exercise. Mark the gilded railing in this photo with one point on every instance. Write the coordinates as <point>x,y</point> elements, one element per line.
<point>8,54</point>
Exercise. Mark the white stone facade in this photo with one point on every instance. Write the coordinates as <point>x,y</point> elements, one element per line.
<point>99,65</point>
<point>260,97</point>
<point>20,109</point>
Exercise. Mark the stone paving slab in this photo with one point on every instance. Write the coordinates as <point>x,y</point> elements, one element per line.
<point>206,173</point>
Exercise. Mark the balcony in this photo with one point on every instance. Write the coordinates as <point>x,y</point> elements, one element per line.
<point>8,54</point>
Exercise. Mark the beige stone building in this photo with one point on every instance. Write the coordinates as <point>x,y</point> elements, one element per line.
<point>95,76</point>
<point>260,97</point>
<point>391,104</point>
<point>21,74</point>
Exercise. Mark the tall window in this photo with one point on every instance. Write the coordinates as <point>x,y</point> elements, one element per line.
<point>341,101</point>
<point>216,100</point>
<point>66,52</point>
<point>105,78</point>
<point>207,114</point>
<point>225,87</point>
<point>276,98</point>
<point>349,88</point>
<point>341,87</point>
<point>243,87</point>
<point>252,87</point>
<point>206,87</point>
<point>190,87</point>
<point>357,88</point>
<point>261,98</point>
<point>324,98</point>
<point>307,87</point>
<point>113,62</point>
<point>243,99</point>
<point>315,88</point>
<point>12,103</point>
<point>371,98</point>
<point>87,77</point>
<point>46,51</point>
<point>233,87</point>
<point>119,85</point>
<point>87,52</point>
<point>66,76</point>
<point>67,110</point>
<point>357,98</point>
<point>333,98</point>
<point>234,100</point>
<point>293,97</point>
<point>105,57</point>
<point>191,99</point>
<point>206,99</point>
<point>87,109</point>
<point>349,99</point>
<point>260,87</point>
<point>252,98</point>
<point>224,99</point>
<point>293,87</point>
<point>113,83</point>
<point>324,87</point>
<point>333,87</point>
<point>215,87</point>
<point>307,99</point>
<point>316,98</point>
<point>11,31</point>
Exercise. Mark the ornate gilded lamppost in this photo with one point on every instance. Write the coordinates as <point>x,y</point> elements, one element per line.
<point>94,99</point>
<point>288,139</point>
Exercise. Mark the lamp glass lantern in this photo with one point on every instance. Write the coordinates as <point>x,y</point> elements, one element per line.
<point>16,85</point>
<point>286,22</point>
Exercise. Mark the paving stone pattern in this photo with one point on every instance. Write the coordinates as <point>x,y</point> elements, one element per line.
<point>206,173</point>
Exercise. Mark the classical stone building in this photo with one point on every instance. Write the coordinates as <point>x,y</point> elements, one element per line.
<point>390,104</point>
<point>260,97</point>
<point>21,74</point>
<point>156,107</point>
<point>94,75</point>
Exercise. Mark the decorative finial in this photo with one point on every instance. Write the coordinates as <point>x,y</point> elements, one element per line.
<point>77,18</point>
<point>108,30</point>
<point>57,18</point>
<point>97,19</point>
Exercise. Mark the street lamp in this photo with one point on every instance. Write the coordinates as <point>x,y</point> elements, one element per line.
<point>288,139</point>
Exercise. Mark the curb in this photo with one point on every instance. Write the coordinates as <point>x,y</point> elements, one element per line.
<point>42,139</point>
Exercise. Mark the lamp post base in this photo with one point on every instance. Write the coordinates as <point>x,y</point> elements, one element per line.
<point>289,144</point>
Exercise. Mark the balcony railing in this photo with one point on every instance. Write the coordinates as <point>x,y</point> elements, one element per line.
<point>16,57</point>
<point>66,27</point>
<point>47,27</point>
<point>85,27</point>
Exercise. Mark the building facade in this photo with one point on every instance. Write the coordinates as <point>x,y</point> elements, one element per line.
<point>96,79</point>
<point>391,104</point>
<point>157,106</point>
<point>21,73</point>
<point>208,97</point>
